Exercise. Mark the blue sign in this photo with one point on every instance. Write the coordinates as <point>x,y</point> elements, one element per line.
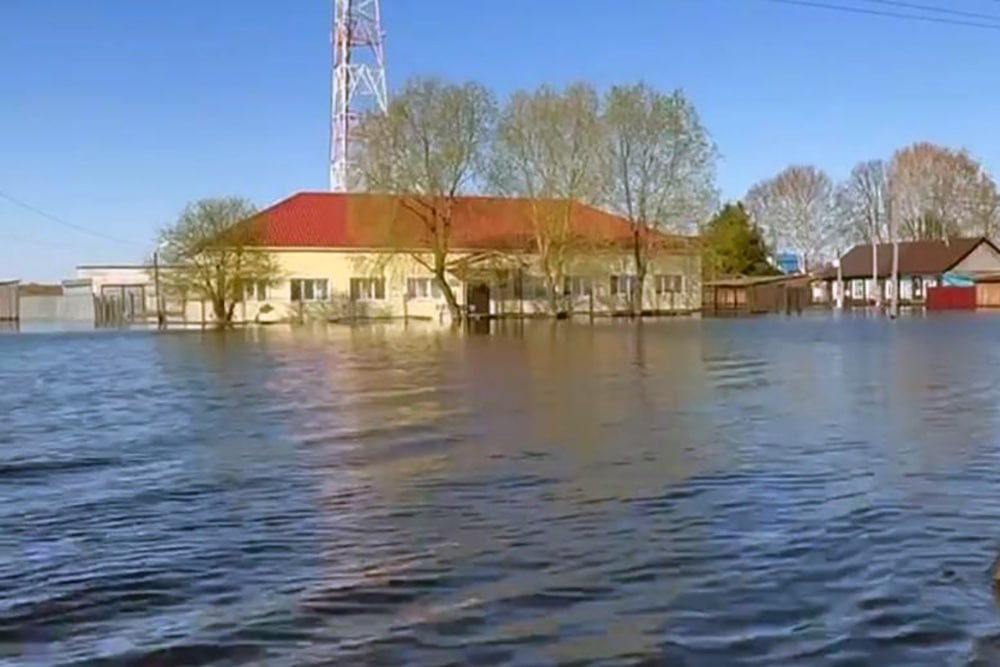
<point>957,280</point>
<point>787,262</point>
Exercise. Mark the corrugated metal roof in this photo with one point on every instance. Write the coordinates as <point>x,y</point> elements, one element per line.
<point>368,221</point>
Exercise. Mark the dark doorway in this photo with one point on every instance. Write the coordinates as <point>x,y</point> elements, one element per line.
<point>478,300</point>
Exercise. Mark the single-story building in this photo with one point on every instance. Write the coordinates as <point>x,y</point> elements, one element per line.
<point>347,256</point>
<point>366,255</point>
<point>754,295</point>
<point>922,264</point>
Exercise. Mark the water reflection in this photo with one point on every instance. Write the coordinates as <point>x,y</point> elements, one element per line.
<point>805,490</point>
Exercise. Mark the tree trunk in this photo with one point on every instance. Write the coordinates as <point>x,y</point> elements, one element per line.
<point>552,283</point>
<point>454,310</point>
<point>640,281</point>
<point>640,273</point>
<point>223,315</point>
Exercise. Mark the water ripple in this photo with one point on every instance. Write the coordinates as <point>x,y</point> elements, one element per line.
<point>747,492</point>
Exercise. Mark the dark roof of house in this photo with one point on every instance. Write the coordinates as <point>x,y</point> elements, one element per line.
<point>372,221</point>
<point>915,257</point>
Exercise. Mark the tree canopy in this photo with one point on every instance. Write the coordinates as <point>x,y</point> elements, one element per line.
<point>938,192</point>
<point>734,245</point>
<point>429,149</point>
<point>797,210</point>
<point>212,254</point>
<point>662,175</point>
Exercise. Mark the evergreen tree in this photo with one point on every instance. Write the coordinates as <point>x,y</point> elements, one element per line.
<point>734,246</point>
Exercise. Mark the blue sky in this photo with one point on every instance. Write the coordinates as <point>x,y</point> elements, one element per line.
<point>114,113</point>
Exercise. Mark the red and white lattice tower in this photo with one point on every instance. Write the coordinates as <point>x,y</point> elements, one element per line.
<point>358,81</point>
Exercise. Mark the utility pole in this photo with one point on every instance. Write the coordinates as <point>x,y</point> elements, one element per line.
<point>875,286</point>
<point>161,322</point>
<point>894,308</point>
<point>358,81</point>
<point>840,284</point>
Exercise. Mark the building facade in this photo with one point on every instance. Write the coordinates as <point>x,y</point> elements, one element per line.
<point>348,256</point>
<point>357,256</point>
<point>866,272</point>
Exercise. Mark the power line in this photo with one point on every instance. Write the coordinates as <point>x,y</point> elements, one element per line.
<point>932,8</point>
<point>888,14</point>
<point>65,223</point>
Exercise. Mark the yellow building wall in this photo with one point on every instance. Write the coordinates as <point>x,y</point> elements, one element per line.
<point>338,267</point>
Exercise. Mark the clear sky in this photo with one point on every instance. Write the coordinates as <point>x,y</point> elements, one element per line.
<point>114,113</point>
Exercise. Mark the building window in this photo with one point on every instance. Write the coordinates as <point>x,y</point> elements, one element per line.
<point>255,290</point>
<point>577,286</point>
<point>669,284</point>
<point>623,284</point>
<point>367,289</point>
<point>131,297</point>
<point>422,288</point>
<point>918,287</point>
<point>857,289</point>
<point>533,287</point>
<point>309,289</point>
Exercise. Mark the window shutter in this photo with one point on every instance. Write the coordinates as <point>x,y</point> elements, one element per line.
<point>355,288</point>
<point>296,290</point>
<point>380,288</point>
<point>614,284</point>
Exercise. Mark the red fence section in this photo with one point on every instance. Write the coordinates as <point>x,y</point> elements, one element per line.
<point>951,298</point>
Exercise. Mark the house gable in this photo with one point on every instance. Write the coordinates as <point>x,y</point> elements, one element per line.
<point>983,258</point>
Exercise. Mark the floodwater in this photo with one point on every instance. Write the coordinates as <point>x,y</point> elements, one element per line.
<point>781,491</point>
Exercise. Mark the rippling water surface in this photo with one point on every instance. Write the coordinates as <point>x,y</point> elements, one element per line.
<point>807,491</point>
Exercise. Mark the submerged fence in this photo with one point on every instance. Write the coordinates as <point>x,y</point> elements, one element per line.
<point>9,302</point>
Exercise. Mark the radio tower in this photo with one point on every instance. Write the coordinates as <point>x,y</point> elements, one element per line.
<point>358,81</point>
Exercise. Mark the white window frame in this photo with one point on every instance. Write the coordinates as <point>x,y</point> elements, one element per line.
<point>618,280</point>
<point>366,288</point>
<point>422,288</point>
<point>669,283</point>
<point>310,289</point>
<point>255,290</point>
<point>578,286</point>
<point>533,287</point>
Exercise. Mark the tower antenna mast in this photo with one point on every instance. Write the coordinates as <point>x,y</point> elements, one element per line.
<point>358,82</point>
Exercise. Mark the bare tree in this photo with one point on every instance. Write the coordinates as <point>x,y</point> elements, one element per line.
<point>214,251</point>
<point>864,207</point>
<point>939,192</point>
<point>548,149</point>
<point>429,150</point>
<point>863,203</point>
<point>797,208</point>
<point>662,168</point>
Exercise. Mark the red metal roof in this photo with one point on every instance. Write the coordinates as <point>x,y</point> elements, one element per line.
<point>369,221</point>
<point>915,258</point>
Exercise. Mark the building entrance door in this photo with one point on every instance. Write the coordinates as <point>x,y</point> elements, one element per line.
<point>478,299</point>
